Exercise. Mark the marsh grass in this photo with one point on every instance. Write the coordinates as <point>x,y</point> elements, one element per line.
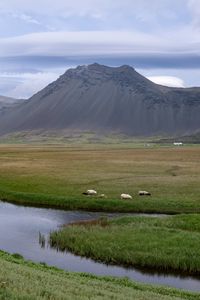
<point>56,176</point>
<point>102,221</point>
<point>20,279</point>
<point>42,240</point>
<point>167,244</point>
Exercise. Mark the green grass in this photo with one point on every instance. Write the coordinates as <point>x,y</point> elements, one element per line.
<point>74,137</point>
<point>167,244</point>
<point>20,279</point>
<point>57,175</point>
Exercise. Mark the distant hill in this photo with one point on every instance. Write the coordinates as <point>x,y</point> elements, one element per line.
<point>107,99</point>
<point>8,102</point>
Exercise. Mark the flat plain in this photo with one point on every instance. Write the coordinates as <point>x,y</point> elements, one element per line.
<point>56,176</point>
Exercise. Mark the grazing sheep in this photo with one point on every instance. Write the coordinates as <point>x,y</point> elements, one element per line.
<point>144,193</point>
<point>90,193</point>
<point>178,144</point>
<point>126,196</point>
<point>102,196</point>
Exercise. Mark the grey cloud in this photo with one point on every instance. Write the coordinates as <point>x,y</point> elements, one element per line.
<point>147,61</point>
<point>101,43</point>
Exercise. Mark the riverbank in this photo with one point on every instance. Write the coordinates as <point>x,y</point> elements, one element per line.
<point>56,176</point>
<point>23,279</point>
<point>25,230</point>
<point>170,244</point>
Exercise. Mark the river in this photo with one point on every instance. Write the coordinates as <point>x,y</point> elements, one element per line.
<point>19,233</point>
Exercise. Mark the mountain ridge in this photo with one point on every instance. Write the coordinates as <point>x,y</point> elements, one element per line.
<point>107,99</point>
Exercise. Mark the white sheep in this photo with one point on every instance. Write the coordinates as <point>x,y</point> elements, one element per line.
<point>102,196</point>
<point>178,144</point>
<point>144,193</point>
<point>90,193</point>
<point>126,196</point>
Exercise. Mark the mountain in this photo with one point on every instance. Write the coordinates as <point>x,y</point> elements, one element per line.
<point>107,99</point>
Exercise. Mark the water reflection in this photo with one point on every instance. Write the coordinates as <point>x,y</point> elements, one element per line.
<point>25,230</point>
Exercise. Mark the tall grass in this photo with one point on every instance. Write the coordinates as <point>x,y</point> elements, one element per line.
<point>42,240</point>
<point>168,244</point>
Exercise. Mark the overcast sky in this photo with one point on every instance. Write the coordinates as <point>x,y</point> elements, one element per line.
<point>39,40</point>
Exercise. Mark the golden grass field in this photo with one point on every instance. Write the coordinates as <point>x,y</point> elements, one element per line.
<point>57,176</point>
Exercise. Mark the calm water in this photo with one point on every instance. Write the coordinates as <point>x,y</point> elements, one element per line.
<point>19,232</point>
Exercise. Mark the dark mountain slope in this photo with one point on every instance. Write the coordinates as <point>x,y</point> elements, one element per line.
<point>101,98</point>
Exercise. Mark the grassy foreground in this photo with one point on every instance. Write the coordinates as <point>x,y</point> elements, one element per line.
<point>56,176</point>
<point>167,244</point>
<point>20,279</point>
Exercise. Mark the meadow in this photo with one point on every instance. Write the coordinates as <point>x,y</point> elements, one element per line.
<point>56,175</point>
<point>20,279</point>
<point>169,244</point>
